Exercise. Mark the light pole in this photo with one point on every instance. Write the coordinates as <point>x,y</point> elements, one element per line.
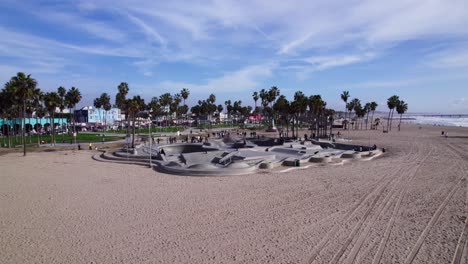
<point>150,143</point>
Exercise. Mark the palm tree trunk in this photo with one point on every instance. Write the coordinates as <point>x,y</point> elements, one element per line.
<point>399,125</point>
<point>133,130</point>
<point>388,120</point>
<point>37,133</point>
<point>372,119</point>
<point>23,127</point>
<point>391,119</point>
<point>75,134</point>
<point>345,117</point>
<point>9,136</point>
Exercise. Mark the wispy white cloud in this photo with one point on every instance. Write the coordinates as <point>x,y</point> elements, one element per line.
<point>449,57</point>
<point>148,30</point>
<point>97,29</point>
<point>305,66</point>
<point>244,79</point>
<point>324,62</point>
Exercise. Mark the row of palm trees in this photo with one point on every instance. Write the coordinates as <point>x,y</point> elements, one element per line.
<point>301,110</point>
<point>393,103</point>
<point>20,97</point>
<point>164,105</point>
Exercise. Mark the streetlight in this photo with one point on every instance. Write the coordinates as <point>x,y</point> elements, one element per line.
<point>151,141</point>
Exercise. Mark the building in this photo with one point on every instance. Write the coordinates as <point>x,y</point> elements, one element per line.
<point>92,115</point>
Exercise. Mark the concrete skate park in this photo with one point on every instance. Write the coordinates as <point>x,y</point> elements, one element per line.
<point>238,155</point>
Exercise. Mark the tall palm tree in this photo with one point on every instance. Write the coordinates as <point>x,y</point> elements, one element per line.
<point>154,107</point>
<point>255,97</point>
<point>25,86</point>
<point>52,101</point>
<point>120,100</point>
<point>391,103</point>
<point>177,98</point>
<point>98,104</point>
<point>356,104</point>
<point>401,108</point>
<point>166,100</point>
<point>37,104</point>
<point>4,107</point>
<point>373,106</point>
<point>350,108</point>
<point>73,97</point>
<point>133,106</point>
<point>40,113</point>
<point>345,97</point>
<point>299,107</point>
<point>105,103</point>
<point>185,94</point>
<point>367,107</point>
<point>283,108</point>
<point>61,91</point>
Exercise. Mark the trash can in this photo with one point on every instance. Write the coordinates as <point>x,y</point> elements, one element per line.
<point>297,163</point>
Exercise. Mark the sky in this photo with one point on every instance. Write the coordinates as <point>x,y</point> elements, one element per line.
<point>417,50</point>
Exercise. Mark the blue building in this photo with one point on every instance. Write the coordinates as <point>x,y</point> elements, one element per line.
<point>92,115</point>
<point>31,124</point>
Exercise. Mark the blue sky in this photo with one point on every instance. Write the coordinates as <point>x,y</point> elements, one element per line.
<point>415,49</point>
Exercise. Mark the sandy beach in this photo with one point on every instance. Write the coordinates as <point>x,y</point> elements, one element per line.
<point>408,206</point>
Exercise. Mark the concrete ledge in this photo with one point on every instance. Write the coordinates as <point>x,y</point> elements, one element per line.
<point>321,159</point>
<point>349,155</point>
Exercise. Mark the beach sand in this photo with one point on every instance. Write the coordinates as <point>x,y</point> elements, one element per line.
<point>407,206</point>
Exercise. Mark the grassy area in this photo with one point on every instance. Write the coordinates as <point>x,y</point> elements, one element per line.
<point>217,126</point>
<point>145,130</point>
<point>81,138</point>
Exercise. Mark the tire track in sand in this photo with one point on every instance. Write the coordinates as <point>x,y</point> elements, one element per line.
<point>414,251</point>
<point>375,194</point>
<point>396,209</point>
<point>316,251</point>
<point>384,206</point>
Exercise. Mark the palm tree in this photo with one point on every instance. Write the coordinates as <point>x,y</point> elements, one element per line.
<point>61,91</point>
<point>401,108</point>
<point>356,103</point>
<point>350,108</point>
<point>36,104</point>
<point>40,113</point>
<point>165,100</point>
<point>154,107</point>
<point>120,100</point>
<point>133,106</point>
<point>185,94</point>
<point>25,86</point>
<point>255,98</point>
<point>299,107</point>
<point>391,103</point>
<point>344,97</point>
<point>283,108</point>
<point>105,103</point>
<point>73,97</point>
<point>98,104</point>
<point>175,106</point>
<point>4,107</point>
<point>367,108</point>
<point>52,101</point>
<point>208,106</point>
<point>373,106</point>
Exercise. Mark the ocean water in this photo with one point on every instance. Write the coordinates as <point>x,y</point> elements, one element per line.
<point>438,120</point>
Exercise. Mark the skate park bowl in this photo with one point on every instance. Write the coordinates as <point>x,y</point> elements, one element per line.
<point>217,158</point>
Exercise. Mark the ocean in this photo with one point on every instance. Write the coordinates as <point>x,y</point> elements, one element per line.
<point>444,120</point>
